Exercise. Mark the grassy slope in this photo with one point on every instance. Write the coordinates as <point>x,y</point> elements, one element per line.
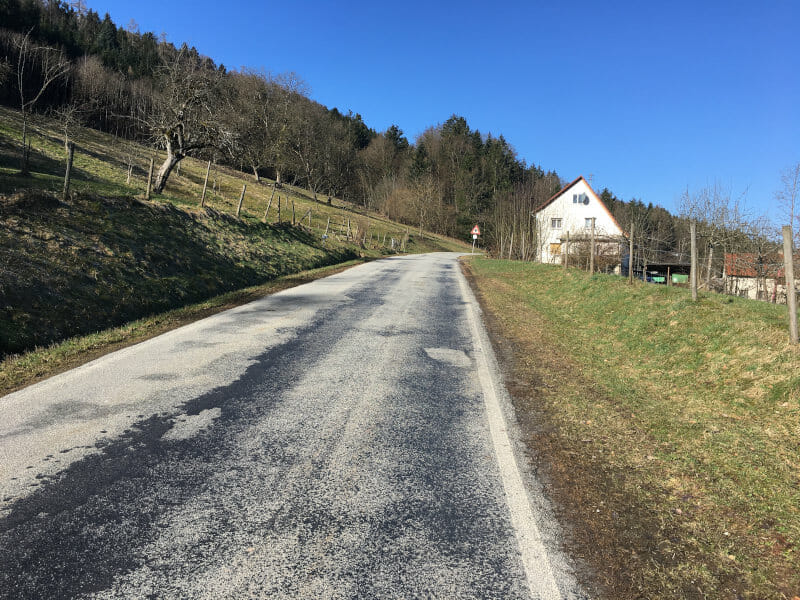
<point>673,427</point>
<point>103,258</point>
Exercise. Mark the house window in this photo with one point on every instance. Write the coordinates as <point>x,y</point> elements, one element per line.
<point>580,199</point>
<point>555,223</point>
<point>588,223</point>
<point>574,198</point>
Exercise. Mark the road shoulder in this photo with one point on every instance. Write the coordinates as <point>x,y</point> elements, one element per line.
<point>549,570</point>
<point>552,463</point>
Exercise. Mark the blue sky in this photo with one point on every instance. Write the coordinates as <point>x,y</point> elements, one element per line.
<point>647,97</point>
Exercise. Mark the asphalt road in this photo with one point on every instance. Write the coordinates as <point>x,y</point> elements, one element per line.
<point>348,438</point>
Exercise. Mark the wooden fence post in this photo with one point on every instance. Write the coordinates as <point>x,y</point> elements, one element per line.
<point>591,251</point>
<point>68,173</point>
<point>241,199</point>
<point>708,270</point>
<point>279,210</point>
<point>266,212</point>
<point>566,252</point>
<point>149,180</point>
<point>205,185</point>
<point>630,258</point>
<point>327,226</point>
<point>791,294</point>
<point>693,267</point>
<point>293,212</point>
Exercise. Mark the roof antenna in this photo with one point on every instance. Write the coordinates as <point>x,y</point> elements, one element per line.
<point>591,176</point>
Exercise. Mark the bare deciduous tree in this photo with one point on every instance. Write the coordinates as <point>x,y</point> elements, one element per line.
<point>721,222</point>
<point>186,118</point>
<point>38,68</point>
<point>788,197</point>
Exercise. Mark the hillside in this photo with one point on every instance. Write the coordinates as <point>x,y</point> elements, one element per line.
<point>105,256</point>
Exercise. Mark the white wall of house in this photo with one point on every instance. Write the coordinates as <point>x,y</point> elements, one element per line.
<point>767,289</point>
<point>571,211</point>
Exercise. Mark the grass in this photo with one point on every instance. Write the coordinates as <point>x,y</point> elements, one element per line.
<point>672,427</point>
<point>105,257</point>
<point>18,371</point>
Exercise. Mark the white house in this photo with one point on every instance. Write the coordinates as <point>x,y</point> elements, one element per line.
<point>571,210</point>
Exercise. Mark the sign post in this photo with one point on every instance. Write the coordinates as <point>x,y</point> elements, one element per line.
<point>476,231</point>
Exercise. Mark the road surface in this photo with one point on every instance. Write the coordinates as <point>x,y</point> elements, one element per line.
<point>348,438</point>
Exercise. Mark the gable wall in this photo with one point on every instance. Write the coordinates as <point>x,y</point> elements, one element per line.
<point>573,217</point>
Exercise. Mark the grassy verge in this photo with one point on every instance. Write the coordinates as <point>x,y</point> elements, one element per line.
<point>22,370</point>
<point>97,262</point>
<point>670,431</point>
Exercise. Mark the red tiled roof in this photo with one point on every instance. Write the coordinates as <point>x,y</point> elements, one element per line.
<point>750,264</point>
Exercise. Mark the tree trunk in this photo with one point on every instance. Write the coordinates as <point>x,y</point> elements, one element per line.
<point>164,171</point>
<point>23,167</point>
<point>255,173</point>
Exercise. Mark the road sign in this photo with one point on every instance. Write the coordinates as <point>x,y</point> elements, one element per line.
<point>476,230</point>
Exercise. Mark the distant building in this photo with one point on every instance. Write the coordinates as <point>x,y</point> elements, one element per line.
<point>570,211</point>
<point>758,277</point>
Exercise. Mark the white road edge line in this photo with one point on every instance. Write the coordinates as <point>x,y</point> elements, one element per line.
<point>538,570</point>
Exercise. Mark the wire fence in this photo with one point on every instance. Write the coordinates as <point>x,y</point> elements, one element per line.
<point>752,269</point>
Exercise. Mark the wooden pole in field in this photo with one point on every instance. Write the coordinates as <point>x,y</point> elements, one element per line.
<point>266,212</point>
<point>241,199</point>
<point>149,180</point>
<point>279,210</point>
<point>708,270</point>
<point>693,267</point>
<point>327,226</point>
<point>566,253</point>
<point>591,252</point>
<point>68,173</point>
<point>292,211</point>
<point>791,294</point>
<point>205,185</point>
<point>630,258</point>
